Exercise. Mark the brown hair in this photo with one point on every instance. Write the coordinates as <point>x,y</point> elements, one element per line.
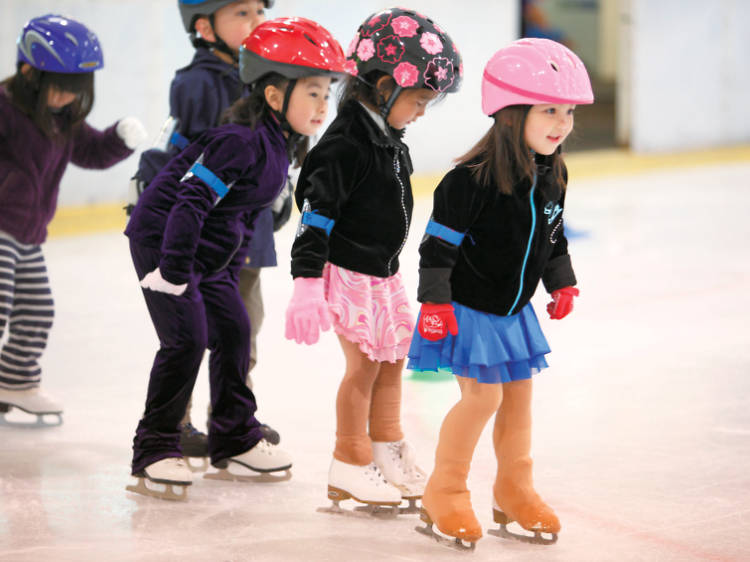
<point>252,109</point>
<point>29,89</point>
<point>502,156</point>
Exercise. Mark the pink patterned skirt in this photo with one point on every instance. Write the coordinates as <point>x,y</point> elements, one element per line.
<point>373,312</point>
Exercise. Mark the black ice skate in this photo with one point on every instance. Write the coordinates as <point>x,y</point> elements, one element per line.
<point>194,445</point>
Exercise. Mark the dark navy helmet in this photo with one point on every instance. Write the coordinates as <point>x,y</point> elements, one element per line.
<point>190,9</point>
<point>59,44</point>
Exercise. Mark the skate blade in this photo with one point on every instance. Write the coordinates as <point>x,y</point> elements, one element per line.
<point>201,464</point>
<point>537,538</point>
<point>171,492</point>
<point>452,542</point>
<point>411,508</point>
<point>268,477</point>
<point>385,510</point>
<point>53,419</point>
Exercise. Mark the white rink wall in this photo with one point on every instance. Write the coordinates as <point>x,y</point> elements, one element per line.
<point>689,78</point>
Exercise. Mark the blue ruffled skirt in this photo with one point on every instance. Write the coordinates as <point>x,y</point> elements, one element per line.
<point>489,348</point>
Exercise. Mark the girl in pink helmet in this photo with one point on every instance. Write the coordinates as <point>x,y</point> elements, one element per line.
<point>356,203</point>
<point>496,230</point>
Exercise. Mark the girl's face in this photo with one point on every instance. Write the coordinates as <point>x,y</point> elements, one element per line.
<point>547,126</point>
<point>308,104</point>
<point>235,21</point>
<point>410,106</point>
<point>57,99</point>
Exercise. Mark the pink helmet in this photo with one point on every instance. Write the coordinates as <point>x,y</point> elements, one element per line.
<point>532,71</point>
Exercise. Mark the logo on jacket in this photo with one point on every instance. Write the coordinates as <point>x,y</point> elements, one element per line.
<point>552,210</point>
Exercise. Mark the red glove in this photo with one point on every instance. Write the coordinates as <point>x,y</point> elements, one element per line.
<point>436,320</point>
<point>562,302</point>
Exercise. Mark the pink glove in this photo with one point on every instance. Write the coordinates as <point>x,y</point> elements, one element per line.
<point>562,302</point>
<point>436,320</point>
<point>307,313</point>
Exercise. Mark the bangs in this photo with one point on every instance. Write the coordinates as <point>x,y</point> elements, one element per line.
<point>82,83</point>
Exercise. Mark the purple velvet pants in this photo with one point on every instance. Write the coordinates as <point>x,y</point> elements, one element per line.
<point>209,314</point>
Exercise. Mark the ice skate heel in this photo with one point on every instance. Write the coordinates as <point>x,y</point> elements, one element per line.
<point>43,419</point>
<point>370,508</point>
<point>161,490</point>
<point>454,542</point>
<point>258,464</point>
<point>498,516</point>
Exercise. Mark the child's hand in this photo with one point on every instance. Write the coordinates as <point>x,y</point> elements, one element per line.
<point>436,320</point>
<point>155,282</point>
<point>307,313</point>
<point>131,131</point>
<point>562,302</point>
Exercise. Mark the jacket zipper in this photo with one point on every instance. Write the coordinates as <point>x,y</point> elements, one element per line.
<point>528,246</point>
<point>397,169</point>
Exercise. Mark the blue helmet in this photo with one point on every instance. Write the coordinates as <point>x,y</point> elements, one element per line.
<point>189,9</point>
<point>59,44</point>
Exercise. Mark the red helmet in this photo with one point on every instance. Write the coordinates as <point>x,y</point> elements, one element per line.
<point>292,47</point>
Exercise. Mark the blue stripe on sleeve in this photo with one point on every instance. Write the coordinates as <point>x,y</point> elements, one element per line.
<point>444,233</point>
<point>209,178</point>
<point>312,218</point>
<point>178,140</point>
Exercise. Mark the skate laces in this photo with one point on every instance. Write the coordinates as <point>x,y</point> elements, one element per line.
<point>405,456</point>
<point>190,429</point>
<point>373,471</point>
<point>177,462</point>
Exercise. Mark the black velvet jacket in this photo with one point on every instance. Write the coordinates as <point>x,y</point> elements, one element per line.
<point>358,176</point>
<point>509,243</point>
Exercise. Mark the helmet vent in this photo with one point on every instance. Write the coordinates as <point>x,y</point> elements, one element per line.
<point>554,66</point>
<point>313,41</point>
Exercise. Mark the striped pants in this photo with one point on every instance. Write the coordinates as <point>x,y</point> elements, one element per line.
<point>26,309</point>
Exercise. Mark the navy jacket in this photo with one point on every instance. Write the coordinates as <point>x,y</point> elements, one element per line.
<point>498,246</point>
<point>198,96</point>
<point>201,209</point>
<point>358,177</point>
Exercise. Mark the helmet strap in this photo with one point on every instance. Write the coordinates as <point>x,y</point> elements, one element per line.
<point>385,107</point>
<point>220,44</point>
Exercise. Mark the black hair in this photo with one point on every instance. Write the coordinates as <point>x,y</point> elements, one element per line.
<point>29,88</point>
<point>502,156</point>
<point>253,109</point>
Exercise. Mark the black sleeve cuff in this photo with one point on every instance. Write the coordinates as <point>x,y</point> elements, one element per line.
<point>558,274</point>
<point>434,285</point>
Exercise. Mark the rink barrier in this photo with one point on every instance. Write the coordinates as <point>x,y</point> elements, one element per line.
<point>107,217</point>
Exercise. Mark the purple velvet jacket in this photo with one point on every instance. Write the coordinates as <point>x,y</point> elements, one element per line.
<point>201,208</point>
<point>32,165</point>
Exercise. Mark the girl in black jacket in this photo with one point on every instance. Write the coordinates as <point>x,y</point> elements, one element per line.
<point>356,203</point>
<point>496,230</point>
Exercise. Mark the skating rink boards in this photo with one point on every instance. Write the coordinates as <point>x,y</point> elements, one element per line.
<point>641,423</point>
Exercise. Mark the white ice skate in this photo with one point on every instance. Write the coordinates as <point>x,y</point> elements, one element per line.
<point>32,401</point>
<point>255,464</point>
<point>397,461</point>
<point>166,479</point>
<point>364,484</point>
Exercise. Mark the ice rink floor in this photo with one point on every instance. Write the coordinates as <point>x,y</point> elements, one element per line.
<point>642,422</point>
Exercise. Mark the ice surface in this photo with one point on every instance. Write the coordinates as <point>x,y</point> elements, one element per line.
<point>641,426</point>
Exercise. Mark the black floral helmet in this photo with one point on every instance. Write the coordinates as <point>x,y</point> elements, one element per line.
<point>408,46</point>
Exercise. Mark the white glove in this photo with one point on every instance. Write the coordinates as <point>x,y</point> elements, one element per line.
<point>156,282</point>
<point>131,131</point>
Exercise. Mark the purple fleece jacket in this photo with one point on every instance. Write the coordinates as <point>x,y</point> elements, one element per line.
<point>31,167</point>
<point>204,223</point>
